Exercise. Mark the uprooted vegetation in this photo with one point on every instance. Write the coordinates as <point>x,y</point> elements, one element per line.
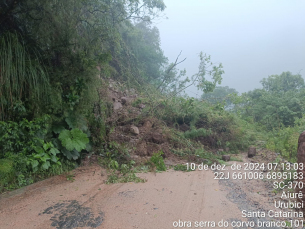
<point>173,125</point>
<point>178,129</point>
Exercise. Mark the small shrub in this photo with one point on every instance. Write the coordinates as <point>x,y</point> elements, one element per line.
<point>129,177</point>
<point>6,172</point>
<point>44,157</point>
<point>22,137</point>
<point>181,167</point>
<point>70,177</point>
<point>284,141</point>
<point>112,179</point>
<point>158,161</point>
<point>195,133</point>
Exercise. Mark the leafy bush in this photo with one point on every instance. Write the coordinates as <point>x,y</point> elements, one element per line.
<point>22,173</point>
<point>25,154</point>
<point>6,172</point>
<point>212,126</point>
<point>195,133</point>
<point>43,157</point>
<point>158,161</point>
<point>285,142</point>
<point>74,141</point>
<point>181,167</point>
<point>129,177</point>
<point>22,137</point>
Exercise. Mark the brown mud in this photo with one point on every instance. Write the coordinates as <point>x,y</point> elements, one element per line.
<point>166,197</point>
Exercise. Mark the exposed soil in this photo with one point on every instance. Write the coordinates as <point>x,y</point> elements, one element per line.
<point>165,198</point>
<point>141,135</point>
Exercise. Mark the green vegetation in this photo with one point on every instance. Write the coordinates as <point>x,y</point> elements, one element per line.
<point>57,59</point>
<point>55,56</point>
<point>123,173</point>
<point>74,141</point>
<point>158,161</point>
<point>276,112</point>
<point>70,177</point>
<point>220,95</point>
<point>130,177</point>
<point>181,167</point>
<point>278,104</point>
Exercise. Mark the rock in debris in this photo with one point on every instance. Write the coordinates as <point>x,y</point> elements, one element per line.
<point>141,106</point>
<point>117,105</point>
<point>252,152</point>
<point>147,125</point>
<point>127,100</point>
<point>134,130</point>
<point>226,157</point>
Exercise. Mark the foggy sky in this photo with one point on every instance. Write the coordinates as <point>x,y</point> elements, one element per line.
<point>251,38</point>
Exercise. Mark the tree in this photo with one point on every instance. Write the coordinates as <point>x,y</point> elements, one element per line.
<point>69,39</point>
<point>204,70</point>
<point>278,104</point>
<point>173,82</point>
<point>282,83</point>
<point>143,40</point>
<point>220,95</point>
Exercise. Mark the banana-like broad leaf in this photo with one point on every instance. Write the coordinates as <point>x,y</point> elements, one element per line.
<point>70,154</point>
<point>74,139</point>
<point>76,121</point>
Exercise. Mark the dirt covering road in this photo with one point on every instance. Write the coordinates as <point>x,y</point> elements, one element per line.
<point>164,199</point>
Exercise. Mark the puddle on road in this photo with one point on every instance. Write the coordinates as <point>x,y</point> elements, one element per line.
<point>70,214</point>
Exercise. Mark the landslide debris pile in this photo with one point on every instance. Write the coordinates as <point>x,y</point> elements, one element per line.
<point>141,127</point>
<point>142,134</point>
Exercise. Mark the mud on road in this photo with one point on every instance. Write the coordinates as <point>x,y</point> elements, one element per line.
<point>165,198</point>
